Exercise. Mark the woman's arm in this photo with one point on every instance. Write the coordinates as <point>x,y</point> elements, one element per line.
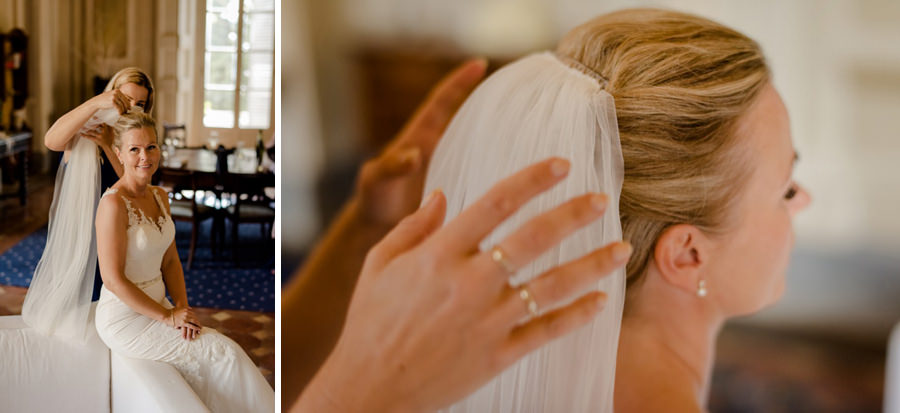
<point>112,225</point>
<point>172,271</point>
<point>389,188</point>
<point>64,130</point>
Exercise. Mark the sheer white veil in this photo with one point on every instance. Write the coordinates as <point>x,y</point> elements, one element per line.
<point>532,109</point>
<point>59,297</point>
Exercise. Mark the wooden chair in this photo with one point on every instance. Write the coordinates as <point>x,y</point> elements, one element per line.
<point>183,203</point>
<point>250,204</point>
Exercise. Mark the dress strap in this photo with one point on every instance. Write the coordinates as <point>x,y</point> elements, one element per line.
<point>162,207</point>
<point>132,215</point>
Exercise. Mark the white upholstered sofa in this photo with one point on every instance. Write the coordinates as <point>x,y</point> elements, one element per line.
<point>45,374</point>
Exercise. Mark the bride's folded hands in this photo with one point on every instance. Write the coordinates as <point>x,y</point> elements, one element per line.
<point>184,319</point>
<point>434,317</point>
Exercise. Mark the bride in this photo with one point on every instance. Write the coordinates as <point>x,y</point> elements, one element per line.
<point>675,117</point>
<point>139,264</point>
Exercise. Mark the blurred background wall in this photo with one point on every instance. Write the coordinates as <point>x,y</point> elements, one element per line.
<point>354,69</point>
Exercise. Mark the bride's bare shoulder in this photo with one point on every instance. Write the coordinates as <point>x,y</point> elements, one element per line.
<point>111,204</point>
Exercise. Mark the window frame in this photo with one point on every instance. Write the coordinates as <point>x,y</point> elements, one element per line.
<point>229,137</point>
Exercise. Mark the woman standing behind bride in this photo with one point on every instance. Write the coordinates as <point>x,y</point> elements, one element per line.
<point>139,263</point>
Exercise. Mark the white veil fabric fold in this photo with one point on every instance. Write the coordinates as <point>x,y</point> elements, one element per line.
<point>532,109</point>
<point>59,298</point>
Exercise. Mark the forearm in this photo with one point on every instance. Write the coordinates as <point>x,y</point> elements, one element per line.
<point>64,129</point>
<point>137,300</point>
<point>315,304</point>
<point>113,160</point>
<point>173,275</point>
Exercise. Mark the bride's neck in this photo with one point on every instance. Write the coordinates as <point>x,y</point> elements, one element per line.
<point>677,329</point>
<point>133,186</point>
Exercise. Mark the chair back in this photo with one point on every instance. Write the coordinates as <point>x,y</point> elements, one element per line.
<point>176,180</point>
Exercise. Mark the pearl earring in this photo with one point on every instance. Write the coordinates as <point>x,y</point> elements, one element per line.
<point>701,289</point>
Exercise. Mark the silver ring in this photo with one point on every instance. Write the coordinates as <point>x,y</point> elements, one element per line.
<point>499,256</point>
<point>528,299</point>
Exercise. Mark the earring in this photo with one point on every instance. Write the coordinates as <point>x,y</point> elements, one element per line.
<point>701,289</point>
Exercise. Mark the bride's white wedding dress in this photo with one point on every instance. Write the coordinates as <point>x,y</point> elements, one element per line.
<point>216,367</point>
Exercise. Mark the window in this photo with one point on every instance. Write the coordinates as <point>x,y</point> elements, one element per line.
<point>238,64</point>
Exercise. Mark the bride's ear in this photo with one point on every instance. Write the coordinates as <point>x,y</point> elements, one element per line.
<point>681,254</point>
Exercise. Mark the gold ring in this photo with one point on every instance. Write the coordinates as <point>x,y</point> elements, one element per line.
<point>528,298</point>
<point>499,256</point>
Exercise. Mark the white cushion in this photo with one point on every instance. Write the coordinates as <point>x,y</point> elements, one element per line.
<point>39,373</point>
<point>150,386</point>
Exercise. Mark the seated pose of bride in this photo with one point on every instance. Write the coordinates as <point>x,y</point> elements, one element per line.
<point>139,264</point>
<point>675,117</point>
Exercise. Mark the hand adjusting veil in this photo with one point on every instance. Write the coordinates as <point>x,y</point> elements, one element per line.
<point>58,301</point>
<point>532,109</point>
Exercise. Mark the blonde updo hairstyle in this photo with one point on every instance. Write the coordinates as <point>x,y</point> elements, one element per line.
<point>680,84</point>
<point>134,119</point>
<point>136,76</point>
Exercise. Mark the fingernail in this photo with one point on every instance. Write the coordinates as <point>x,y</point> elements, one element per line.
<point>621,251</point>
<point>559,167</point>
<point>430,198</point>
<point>482,61</point>
<point>598,201</point>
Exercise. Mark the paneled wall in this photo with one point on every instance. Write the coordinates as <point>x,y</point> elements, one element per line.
<point>72,41</point>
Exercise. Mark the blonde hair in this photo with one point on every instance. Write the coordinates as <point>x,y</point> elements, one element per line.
<point>134,119</point>
<point>136,76</point>
<point>680,83</point>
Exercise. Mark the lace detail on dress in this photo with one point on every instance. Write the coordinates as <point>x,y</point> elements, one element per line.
<point>135,219</point>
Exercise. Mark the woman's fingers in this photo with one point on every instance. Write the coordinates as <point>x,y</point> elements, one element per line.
<point>432,117</point>
<point>539,331</point>
<point>502,200</point>
<point>120,101</point>
<point>561,284</point>
<point>411,231</point>
<point>391,164</point>
<point>544,232</point>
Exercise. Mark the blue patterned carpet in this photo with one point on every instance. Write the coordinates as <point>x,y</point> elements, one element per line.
<point>211,282</point>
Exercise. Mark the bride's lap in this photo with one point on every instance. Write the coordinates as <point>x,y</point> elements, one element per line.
<point>134,335</point>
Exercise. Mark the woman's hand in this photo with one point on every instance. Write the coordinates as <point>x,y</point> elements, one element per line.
<point>111,99</point>
<point>102,135</point>
<point>433,317</point>
<point>183,318</point>
<point>389,186</point>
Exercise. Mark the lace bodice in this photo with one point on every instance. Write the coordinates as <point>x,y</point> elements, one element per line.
<point>147,240</point>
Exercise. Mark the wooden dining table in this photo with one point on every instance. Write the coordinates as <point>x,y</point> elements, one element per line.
<point>202,163</point>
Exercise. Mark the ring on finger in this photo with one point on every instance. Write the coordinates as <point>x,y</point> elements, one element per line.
<point>528,298</point>
<point>502,259</point>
